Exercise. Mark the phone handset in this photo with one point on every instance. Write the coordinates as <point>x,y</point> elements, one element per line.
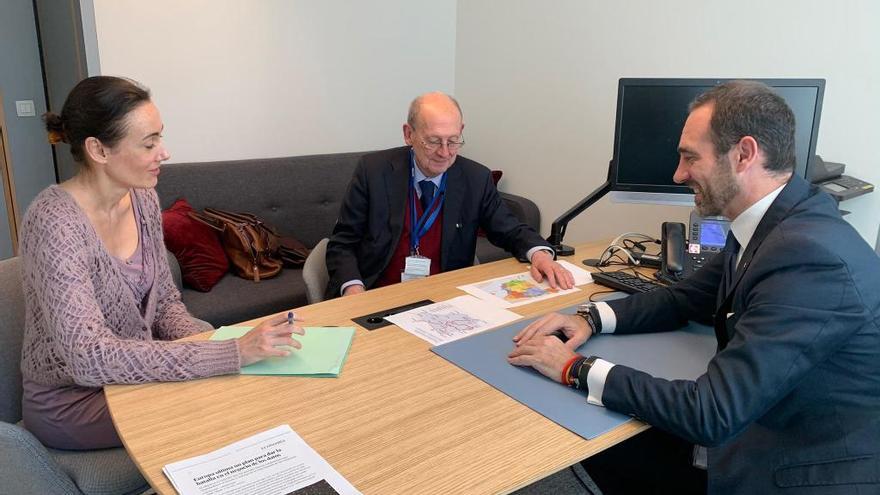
<point>672,253</point>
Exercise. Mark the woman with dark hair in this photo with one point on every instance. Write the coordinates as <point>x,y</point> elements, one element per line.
<point>101,306</point>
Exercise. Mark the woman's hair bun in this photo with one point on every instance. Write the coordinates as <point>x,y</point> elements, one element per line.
<point>54,127</point>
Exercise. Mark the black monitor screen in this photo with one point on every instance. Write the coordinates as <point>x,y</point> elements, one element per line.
<point>651,114</point>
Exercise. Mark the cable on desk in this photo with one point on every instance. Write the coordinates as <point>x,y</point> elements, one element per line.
<point>612,291</point>
<point>628,248</point>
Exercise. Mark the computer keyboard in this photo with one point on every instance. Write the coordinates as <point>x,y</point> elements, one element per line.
<point>626,282</point>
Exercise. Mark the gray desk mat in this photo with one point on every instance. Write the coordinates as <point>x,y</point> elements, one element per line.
<point>680,354</point>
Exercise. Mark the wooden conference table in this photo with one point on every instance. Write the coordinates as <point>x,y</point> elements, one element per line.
<point>398,419</point>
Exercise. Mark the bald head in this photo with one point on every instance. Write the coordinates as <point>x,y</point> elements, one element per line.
<point>434,122</point>
<point>435,102</point>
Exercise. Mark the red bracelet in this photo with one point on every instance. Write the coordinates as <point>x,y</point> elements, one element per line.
<point>565,369</point>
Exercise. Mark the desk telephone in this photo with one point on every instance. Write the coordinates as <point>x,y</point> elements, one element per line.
<point>680,258</point>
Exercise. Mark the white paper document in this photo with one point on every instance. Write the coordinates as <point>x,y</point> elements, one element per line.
<point>515,290</point>
<point>581,276</point>
<point>274,462</point>
<point>450,320</point>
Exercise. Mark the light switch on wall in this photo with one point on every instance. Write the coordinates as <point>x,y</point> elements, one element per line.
<point>25,108</point>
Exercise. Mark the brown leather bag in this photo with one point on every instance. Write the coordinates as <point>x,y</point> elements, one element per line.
<point>293,253</point>
<point>251,245</point>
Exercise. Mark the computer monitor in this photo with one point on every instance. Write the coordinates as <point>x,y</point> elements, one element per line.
<point>650,116</point>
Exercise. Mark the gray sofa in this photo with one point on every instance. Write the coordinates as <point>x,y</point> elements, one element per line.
<point>300,196</point>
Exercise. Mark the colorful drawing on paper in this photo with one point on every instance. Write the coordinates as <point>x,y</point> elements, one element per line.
<point>516,290</point>
<point>521,288</point>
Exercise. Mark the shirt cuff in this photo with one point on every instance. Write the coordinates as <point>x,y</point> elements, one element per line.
<point>535,249</point>
<point>607,316</point>
<point>349,284</point>
<point>596,381</point>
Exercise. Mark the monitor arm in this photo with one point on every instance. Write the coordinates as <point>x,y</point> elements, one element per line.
<point>557,228</point>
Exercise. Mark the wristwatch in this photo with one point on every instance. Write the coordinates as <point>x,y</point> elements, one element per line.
<point>578,373</point>
<point>590,313</point>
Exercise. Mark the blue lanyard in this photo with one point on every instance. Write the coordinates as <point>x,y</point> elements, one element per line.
<point>419,227</point>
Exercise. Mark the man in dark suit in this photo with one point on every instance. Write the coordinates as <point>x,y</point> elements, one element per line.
<point>791,401</point>
<point>415,210</point>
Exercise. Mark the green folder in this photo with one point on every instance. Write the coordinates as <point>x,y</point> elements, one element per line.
<point>323,352</point>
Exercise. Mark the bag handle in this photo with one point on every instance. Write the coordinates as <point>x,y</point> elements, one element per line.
<point>207,220</point>
<point>223,215</point>
<point>241,217</point>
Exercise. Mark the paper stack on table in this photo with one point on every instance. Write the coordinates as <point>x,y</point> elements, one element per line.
<point>323,352</point>
<point>274,462</point>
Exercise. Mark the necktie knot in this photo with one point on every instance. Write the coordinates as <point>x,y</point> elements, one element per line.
<point>427,188</point>
<point>732,244</point>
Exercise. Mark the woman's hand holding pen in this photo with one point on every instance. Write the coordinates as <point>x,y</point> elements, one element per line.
<point>264,339</point>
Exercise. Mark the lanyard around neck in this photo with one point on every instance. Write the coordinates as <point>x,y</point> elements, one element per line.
<point>419,227</point>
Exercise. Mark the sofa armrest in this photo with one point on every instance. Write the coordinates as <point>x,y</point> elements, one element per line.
<point>26,466</point>
<point>524,209</point>
<point>174,266</point>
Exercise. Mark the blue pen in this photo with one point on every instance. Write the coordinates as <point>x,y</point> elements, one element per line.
<point>290,317</point>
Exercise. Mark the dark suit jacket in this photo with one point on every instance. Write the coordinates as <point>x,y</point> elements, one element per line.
<point>371,219</point>
<point>792,403</point>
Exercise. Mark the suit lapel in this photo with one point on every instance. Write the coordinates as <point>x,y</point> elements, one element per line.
<point>455,194</point>
<point>792,194</point>
<point>397,193</point>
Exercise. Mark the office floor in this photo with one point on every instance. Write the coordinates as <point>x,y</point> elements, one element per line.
<point>573,480</point>
<point>651,463</point>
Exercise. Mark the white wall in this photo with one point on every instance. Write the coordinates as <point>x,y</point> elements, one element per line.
<point>537,80</point>
<point>262,78</point>
<point>538,83</point>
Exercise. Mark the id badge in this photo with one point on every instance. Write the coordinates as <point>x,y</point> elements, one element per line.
<point>416,267</point>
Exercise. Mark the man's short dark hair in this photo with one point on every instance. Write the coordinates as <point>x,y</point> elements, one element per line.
<point>750,108</point>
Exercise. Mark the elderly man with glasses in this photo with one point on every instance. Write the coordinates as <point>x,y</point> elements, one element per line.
<point>414,211</point>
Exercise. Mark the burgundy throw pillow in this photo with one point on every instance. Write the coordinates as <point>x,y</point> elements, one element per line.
<point>196,247</point>
<point>496,176</point>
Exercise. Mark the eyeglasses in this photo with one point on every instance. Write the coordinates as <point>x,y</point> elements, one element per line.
<point>452,144</point>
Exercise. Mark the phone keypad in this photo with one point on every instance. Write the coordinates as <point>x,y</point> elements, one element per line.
<point>702,257</point>
<point>697,261</point>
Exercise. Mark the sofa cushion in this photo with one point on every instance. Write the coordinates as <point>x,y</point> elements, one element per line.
<point>196,247</point>
<point>235,299</point>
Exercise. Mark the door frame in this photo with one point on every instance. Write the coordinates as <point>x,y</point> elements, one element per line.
<point>8,181</point>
